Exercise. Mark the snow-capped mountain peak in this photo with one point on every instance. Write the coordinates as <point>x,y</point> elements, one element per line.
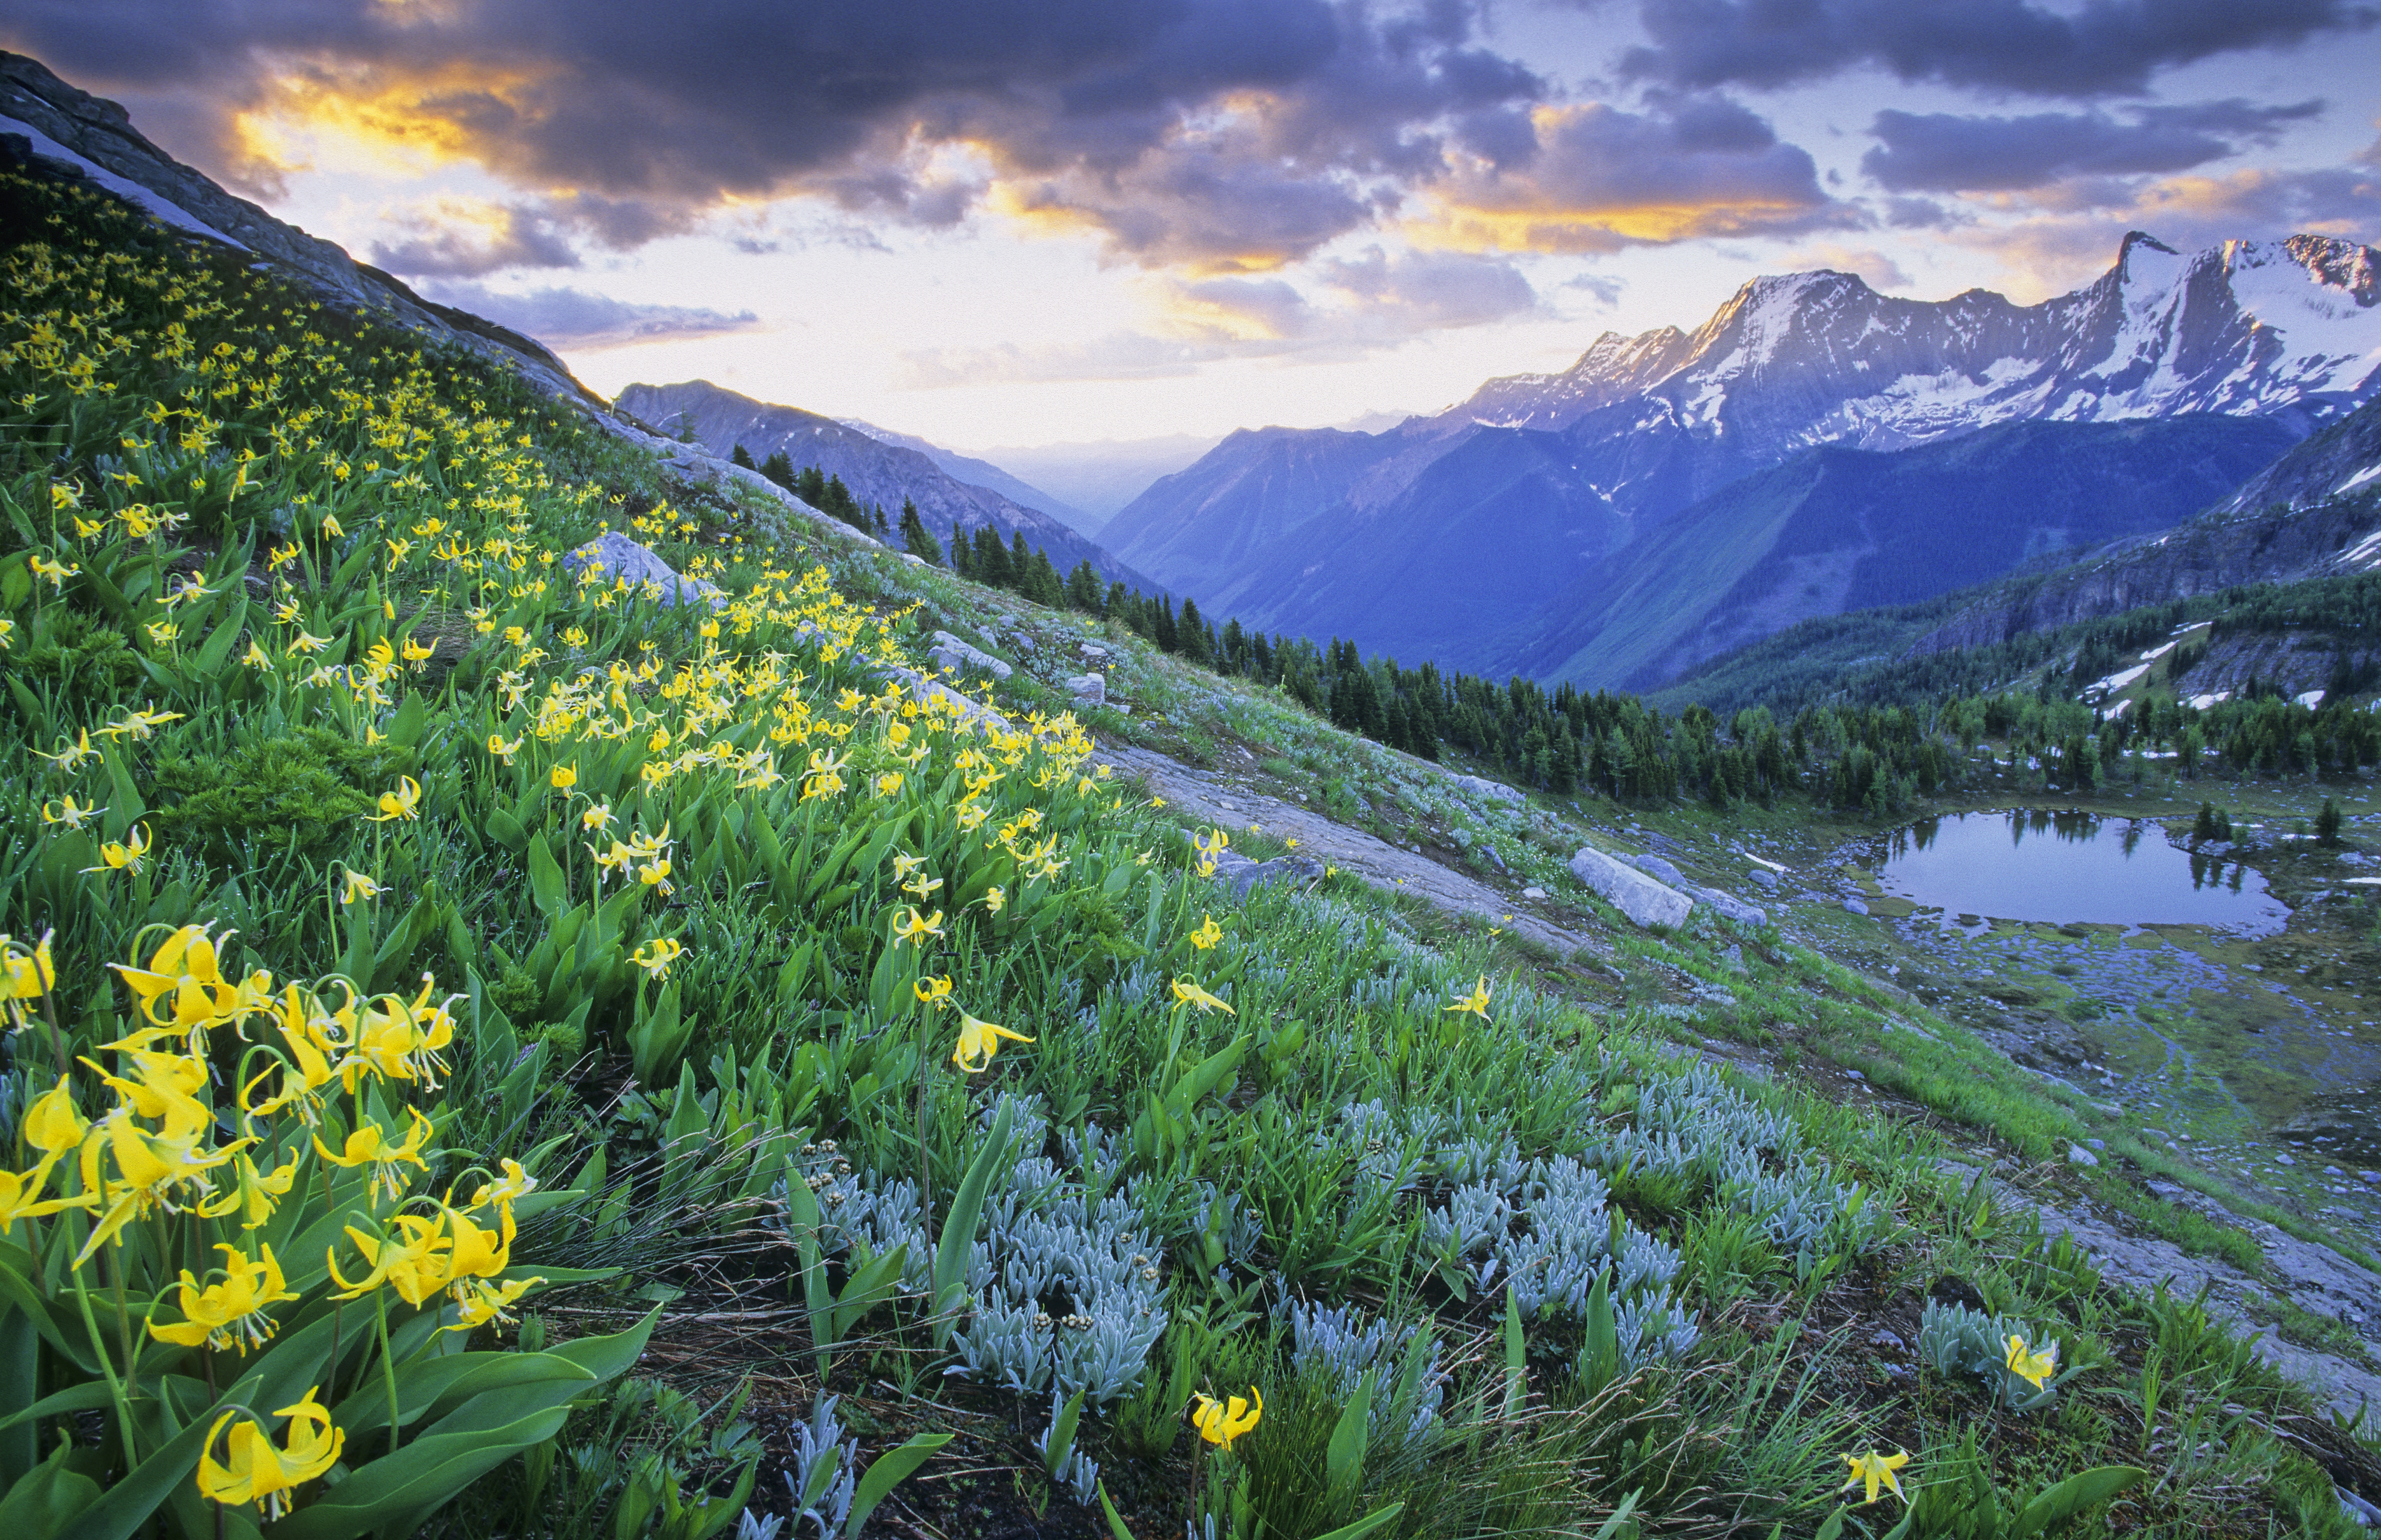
<point>2244,328</point>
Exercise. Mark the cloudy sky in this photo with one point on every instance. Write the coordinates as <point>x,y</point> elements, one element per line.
<point>1012,222</point>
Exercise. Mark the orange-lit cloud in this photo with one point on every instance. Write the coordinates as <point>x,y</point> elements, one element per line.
<point>1602,179</point>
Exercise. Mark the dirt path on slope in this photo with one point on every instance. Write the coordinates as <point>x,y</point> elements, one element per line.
<point>1212,799</point>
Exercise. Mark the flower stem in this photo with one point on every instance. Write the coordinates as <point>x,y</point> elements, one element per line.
<point>115,1386</point>
<point>387,1368</point>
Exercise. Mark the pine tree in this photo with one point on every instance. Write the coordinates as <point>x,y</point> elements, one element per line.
<point>1083,589</point>
<point>2326,822</point>
<point>811,486</point>
<point>991,558</point>
<point>1043,585</point>
<point>962,552</point>
<point>780,470</point>
<point>916,538</point>
<point>1021,562</point>
<point>743,456</point>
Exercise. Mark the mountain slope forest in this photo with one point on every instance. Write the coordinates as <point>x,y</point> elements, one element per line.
<point>504,1039</point>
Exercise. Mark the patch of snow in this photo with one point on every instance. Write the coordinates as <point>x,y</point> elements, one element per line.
<point>157,208</point>
<point>2163,648</point>
<point>2201,702</point>
<point>2311,698</point>
<point>2367,552</point>
<point>2356,481</point>
<point>2118,681</point>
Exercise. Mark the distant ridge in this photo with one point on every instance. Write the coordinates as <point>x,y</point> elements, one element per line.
<point>875,470</point>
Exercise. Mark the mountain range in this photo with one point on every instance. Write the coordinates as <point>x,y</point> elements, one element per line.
<point>1598,525</point>
<point>876,470</point>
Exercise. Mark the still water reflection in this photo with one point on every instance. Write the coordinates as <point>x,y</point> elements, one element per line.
<point>2073,867</point>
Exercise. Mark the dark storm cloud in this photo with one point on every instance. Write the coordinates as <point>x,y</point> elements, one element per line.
<point>1946,152</point>
<point>2100,48</point>
<point>520,237</point>
<point>570,319</point>
<point>1236,132</point>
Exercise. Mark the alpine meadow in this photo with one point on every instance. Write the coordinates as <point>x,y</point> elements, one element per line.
<point>1774,933</point>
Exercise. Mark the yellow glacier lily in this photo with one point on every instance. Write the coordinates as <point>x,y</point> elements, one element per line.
<point>255,1471</point>
<point>1872,1471</point>
<point>230,1313</point>
<point>978,1041</point>
<point>2034,1368</point>
<point>1219,1423</point>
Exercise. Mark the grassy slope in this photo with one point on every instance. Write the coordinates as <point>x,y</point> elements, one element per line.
<point>800,1015</point>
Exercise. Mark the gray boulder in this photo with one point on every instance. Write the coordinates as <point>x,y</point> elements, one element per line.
<point>616,556</point>
<point>1089,689</point>
<point>1854,906</point>
<point>1241,875</point>
<point>1730,907</point>
<point>1496,791</point>
<point>953,656</point>
<point>1659,870</point>
<point>1645,900</point>
<point>1762,877</point>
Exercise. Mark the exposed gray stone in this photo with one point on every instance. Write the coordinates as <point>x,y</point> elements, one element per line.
<point>1659,870</point>
<point>2078,1155</point>
<point>1730,907</point>
<point>1645,901</point>
<point>616,556</point>
<point>1089,689</point>
<point>1486,788</point>
<point>1241,875</point>
<point>1761,876</point>
<point>1853,906</point>
<point>953,656</point>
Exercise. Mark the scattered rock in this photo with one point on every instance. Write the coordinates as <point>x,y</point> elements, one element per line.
<point>1730,907</point>
<point>1659,870</point>
<point>1853,906</point>
<point>2078,1155</point>
<point>1094,653</point>
<point>1642,899</point>
<point>1488,853</point>
<point>1486,788</point>
<point>1761,876</point>
<point>2095,1143</point>
<point>616,556</point>
<point>1540,893</point>
<point>952,656</point>
<point>1241,875</point>
<point>1089,689</point>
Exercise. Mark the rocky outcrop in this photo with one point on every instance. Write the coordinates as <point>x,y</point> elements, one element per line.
<point>1645,900</point>
<point>952,655</point>
<point>616,557</point>
<point>2273,545</point>
<point>101,133</point>
<point>1089,689</point>
<point>1494,791</point>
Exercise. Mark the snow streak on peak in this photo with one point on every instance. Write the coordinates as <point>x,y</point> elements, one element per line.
<point>2244,328</point>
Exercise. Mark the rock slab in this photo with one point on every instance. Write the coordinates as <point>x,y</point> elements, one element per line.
<point>1089,689</point>
<point>1645,900</point>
